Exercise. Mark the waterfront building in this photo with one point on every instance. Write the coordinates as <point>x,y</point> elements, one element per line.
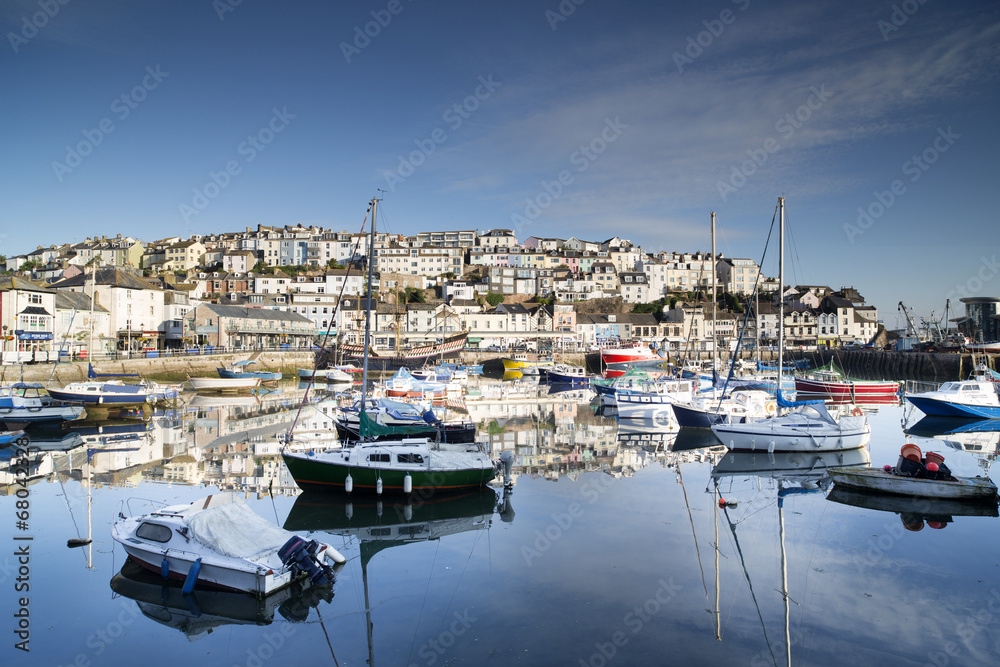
<point>241,327</point>
<point>27,319</point>
<point>982,322</point>
<point>135,305</point>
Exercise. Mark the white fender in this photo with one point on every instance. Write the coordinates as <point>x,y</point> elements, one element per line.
<point>333,555</point>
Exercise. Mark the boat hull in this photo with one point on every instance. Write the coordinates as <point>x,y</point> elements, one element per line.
<point>854,391</point>
<point>210,575</point>
<point>328,374</point>
<point>99,398</point>
<point>312,473</point>
<point>628,355</point>
<point>943,408</point>
<point>773,436</point>
<point>263,375</point>
<point>691,417</point>
<point>223,384</point>
<point>414,358</point>
<point>876,479</point>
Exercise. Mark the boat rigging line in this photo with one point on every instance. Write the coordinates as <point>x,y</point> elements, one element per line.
<point>333,318</point>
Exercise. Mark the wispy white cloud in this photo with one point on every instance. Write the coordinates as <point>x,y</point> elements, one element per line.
<point>686,131</point>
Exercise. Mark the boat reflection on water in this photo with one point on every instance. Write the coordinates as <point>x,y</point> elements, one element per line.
<point>695,438</point>
<point>795,473</point>
<point>649,433</point>
<point>808,469</point>
<point>914,512</point>
<point>378,525</point>
<point>976,436</point>
<point>110,430</point>
<point>371,520</point>
<point>202,611</point>
<point>861,401</point>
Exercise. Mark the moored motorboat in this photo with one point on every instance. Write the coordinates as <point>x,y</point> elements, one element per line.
<point>565,374</point>
<point>628,354</point>
<point>220,542</point>
<point>27,402</point>
<point>966,398</point>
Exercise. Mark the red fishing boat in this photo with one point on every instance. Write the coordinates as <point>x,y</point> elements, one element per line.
<point>834,385</point>
<point>627,354</point>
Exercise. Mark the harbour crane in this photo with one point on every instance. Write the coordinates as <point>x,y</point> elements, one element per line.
<point>909,320</point>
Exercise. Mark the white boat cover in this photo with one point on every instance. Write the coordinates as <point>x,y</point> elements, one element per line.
<point>443,460</point>
<point>236,530</point>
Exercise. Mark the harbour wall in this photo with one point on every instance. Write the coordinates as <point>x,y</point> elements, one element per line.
<point>880,364</point>
<point>158,368</point>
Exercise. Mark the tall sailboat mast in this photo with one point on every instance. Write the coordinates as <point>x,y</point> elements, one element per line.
<point>93,294</point>
<point>368,310</point>
<point>781,291</point>
<point>715,297</point>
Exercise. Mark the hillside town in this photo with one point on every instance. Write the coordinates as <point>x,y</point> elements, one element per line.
<point>284,287</point>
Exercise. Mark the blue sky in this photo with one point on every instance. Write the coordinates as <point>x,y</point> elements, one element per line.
<point>555,119</point>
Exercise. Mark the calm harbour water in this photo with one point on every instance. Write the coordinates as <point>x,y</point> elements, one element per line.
<point>604,553</point>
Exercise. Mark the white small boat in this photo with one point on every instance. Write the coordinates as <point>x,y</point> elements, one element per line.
<point>877,479</point>
<point>328,374</point>
<point>223,384</point>
<point>219,541</point>
<point>25,402</point>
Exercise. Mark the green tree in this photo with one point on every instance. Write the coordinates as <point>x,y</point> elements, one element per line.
<point>494,299</point>
<point>542,300</point>
<point>414,295</point>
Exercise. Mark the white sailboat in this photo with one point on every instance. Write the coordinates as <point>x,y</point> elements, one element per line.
<point>804,426</point>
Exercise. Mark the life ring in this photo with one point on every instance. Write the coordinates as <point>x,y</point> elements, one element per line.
<point>770,408</point>
<point>857,412</point>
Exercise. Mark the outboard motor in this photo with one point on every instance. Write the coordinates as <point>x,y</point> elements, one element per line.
<point>300,555</point>
<point>506,464</point>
